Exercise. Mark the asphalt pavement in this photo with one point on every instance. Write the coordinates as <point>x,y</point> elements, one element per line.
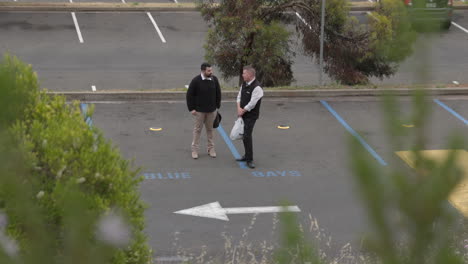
<point>306,165</point>
<point>127,51</point>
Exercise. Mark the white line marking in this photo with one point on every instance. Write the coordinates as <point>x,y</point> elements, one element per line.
<point>371,15</point>
<point>156,26</point>
<point>93,87</point>
<point>71,1</point>
<point>123,1</point>
<point>77,27</point>
<point>186,86</point>
<point>302,19</point>
<point>460,27</point>
<point>175,1</point>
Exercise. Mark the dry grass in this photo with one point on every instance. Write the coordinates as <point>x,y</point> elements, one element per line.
<point>246,251</point>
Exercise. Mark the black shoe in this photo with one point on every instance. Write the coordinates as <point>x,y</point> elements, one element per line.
<point>242,159</point>
<point>250,164</point>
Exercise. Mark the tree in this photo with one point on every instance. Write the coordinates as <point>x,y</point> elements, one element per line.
<point>352,52</point>
<point>243,34</point>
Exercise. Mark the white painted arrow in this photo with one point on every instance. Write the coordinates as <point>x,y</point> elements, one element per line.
<point>214,210</point>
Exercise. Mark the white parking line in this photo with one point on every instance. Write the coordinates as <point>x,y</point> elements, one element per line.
<point>93,87</point>
<point>123,1</point>
<point>460,27</point>
<point>175,1</point>
<point>303,20</point>
<point>156,26</point>
<point>77,27</point>
<point>371,15</point>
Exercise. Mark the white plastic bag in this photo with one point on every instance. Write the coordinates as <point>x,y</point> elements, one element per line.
<point>237,132</point>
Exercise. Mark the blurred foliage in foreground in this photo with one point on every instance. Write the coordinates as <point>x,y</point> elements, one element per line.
<point>66,194</point>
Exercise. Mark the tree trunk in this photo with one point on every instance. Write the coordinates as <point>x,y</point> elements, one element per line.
<point>241,70</point>
<point>247,50</point>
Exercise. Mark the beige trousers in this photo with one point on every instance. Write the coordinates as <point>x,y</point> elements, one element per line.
<point>207,120</point>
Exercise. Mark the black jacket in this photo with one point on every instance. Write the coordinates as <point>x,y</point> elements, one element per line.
<point>204,95</point>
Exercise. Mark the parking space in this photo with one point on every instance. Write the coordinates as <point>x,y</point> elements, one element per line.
<point>37,38</point>
<point>438,51</point>
<point>121,51</point>
<point>44,40</point>
<point>461,18</point>
<point>286,171</point>
<point>367,119</point>
<point>185,33</point>
<point>457,108</point>
<point>111,51</point>
<point>306,164</point>
<point>161,50</point>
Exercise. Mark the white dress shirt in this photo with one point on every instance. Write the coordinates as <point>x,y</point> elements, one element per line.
<point>205,78</point>
<point>257,94</point>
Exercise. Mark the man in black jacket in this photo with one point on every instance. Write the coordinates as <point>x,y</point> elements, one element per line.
<point>203,98</point>
<point>248,107</point>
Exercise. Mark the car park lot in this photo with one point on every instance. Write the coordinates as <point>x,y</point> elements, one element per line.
<point>127,51</point>
<point>306,165</point>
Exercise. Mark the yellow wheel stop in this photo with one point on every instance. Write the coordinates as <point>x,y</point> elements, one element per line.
<point>155,128</point>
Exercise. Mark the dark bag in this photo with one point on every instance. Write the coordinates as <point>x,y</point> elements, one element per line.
<point>217,120</point>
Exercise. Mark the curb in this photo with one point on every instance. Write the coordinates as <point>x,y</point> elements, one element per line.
<point>141,96</point>
<point>132,7</point>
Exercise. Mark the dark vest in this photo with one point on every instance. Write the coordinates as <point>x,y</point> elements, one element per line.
<point>246,95</point>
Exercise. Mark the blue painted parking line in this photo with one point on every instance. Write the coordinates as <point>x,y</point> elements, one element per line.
<point>84,110</point>
<point>354,133</point>
<point>231,146</point>
<point>450,110</point>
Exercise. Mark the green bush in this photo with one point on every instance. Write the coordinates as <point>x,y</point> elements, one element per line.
<point>18,89</point>
<point>61,155</point>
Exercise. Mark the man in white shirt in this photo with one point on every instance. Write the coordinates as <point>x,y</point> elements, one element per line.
<point>248,107</point>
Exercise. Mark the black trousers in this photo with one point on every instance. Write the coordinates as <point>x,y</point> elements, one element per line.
<point>249,124</point>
